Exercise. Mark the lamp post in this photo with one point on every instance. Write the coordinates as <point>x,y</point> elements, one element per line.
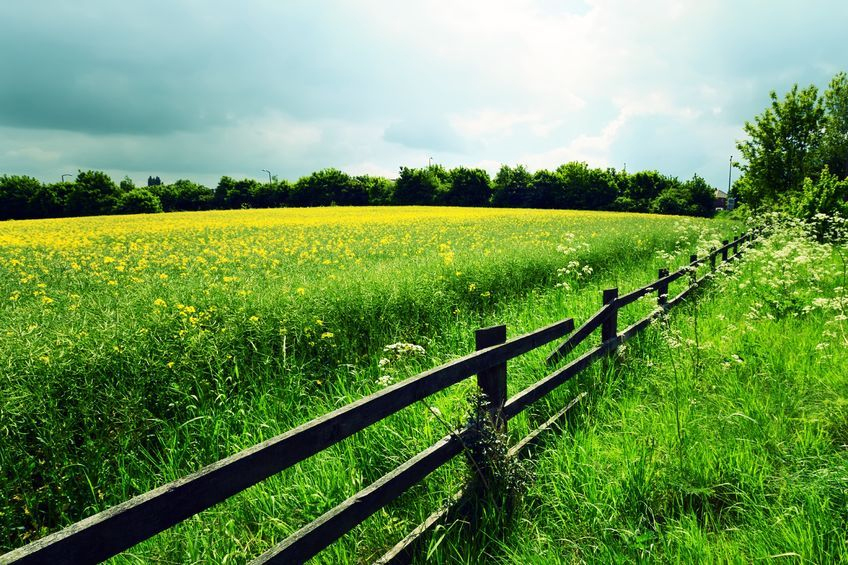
<point>429,162</point>
<point>269,175</point>
<point>66,175</point>
<point>729,171</point>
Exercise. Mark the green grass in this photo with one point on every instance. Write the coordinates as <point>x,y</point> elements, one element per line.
<point>108,393</point>
<point>720,435</point>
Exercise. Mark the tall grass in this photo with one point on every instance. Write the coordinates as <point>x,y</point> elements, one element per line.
<point>720,436</point>
<point>138,349</point>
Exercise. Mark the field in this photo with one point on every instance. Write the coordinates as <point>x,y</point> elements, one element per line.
<point>137,349</point>
<point>722,436</point>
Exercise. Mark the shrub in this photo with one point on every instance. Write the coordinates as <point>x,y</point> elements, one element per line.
<point>139,201</point>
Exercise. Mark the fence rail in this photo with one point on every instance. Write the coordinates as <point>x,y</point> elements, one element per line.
<point>114,530</point>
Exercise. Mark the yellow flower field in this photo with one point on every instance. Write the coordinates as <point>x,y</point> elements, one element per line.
<point>118,330</point>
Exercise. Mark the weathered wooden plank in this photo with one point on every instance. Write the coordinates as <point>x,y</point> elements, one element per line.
<point>312,538</point>
<point>578,336</point>
<point>634,295</point>
<point>492,381</point>
<point>668,279</point>
<point>107,533</point>
<point>683,294</point>
<point>534,392</point>
<point>402,551</point>
<point>637,327</point>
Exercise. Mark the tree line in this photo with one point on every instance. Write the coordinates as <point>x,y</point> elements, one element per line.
<point>571,186</point>
<point>796,153</point>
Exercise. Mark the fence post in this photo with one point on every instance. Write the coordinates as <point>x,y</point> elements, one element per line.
<point>712,258</point>
<point>492,381</point>
<point>736,245</point>
<point>662,288</point>
<point>609,329</point>
<point>724,250</point>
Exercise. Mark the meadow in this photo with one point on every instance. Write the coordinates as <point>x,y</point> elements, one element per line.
<point>720,436</point>
<point>137,349</point>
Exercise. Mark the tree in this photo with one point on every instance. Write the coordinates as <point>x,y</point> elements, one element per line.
<point>827,195</point>
<point>326,187</point>
<point>225,186</point>
<point>51,200</point>
<point>643,187</point>
<point>127,184</point>
<point>783,146</point>
<point>692,198</point>
<point>418,186</point>
<point>835,142</point>
<point>547,191</point>
<point>231,193</point>
<point>512,187</point>
<point>272,195</point>
<point>700,195</point>
<point>16,193</point>
<point>469,187</point>
<point>138,201</point>
<point>183,195</point>
<point>93,193</point>
<point>153,181</point>
<point>586,188</point>
<point>380,190</point>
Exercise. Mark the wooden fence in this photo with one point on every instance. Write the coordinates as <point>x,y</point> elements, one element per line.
<point>114,530</point>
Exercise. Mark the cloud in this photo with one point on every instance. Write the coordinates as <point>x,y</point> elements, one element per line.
<point>203,89</point>
<point>433,134</point>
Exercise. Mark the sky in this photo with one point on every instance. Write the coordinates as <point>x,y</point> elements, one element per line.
<point>200,88</point>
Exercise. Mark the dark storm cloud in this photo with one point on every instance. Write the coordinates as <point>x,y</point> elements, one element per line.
<point>155,67</point>
<point>210,87</point>
<point>161,67</point>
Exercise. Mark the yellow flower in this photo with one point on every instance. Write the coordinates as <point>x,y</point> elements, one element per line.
<point>254,319</point>
<point>327,335</point>
<point>301,291</point>
<point>160,303</point>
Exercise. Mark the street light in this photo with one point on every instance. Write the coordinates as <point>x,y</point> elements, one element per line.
<point>429,162</point>
<point>729,171</point>
<point>269,175</point>
<point>66,175</point>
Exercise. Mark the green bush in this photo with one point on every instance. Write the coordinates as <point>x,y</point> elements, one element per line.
<point>138,201</point>
<point>828,195</point>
